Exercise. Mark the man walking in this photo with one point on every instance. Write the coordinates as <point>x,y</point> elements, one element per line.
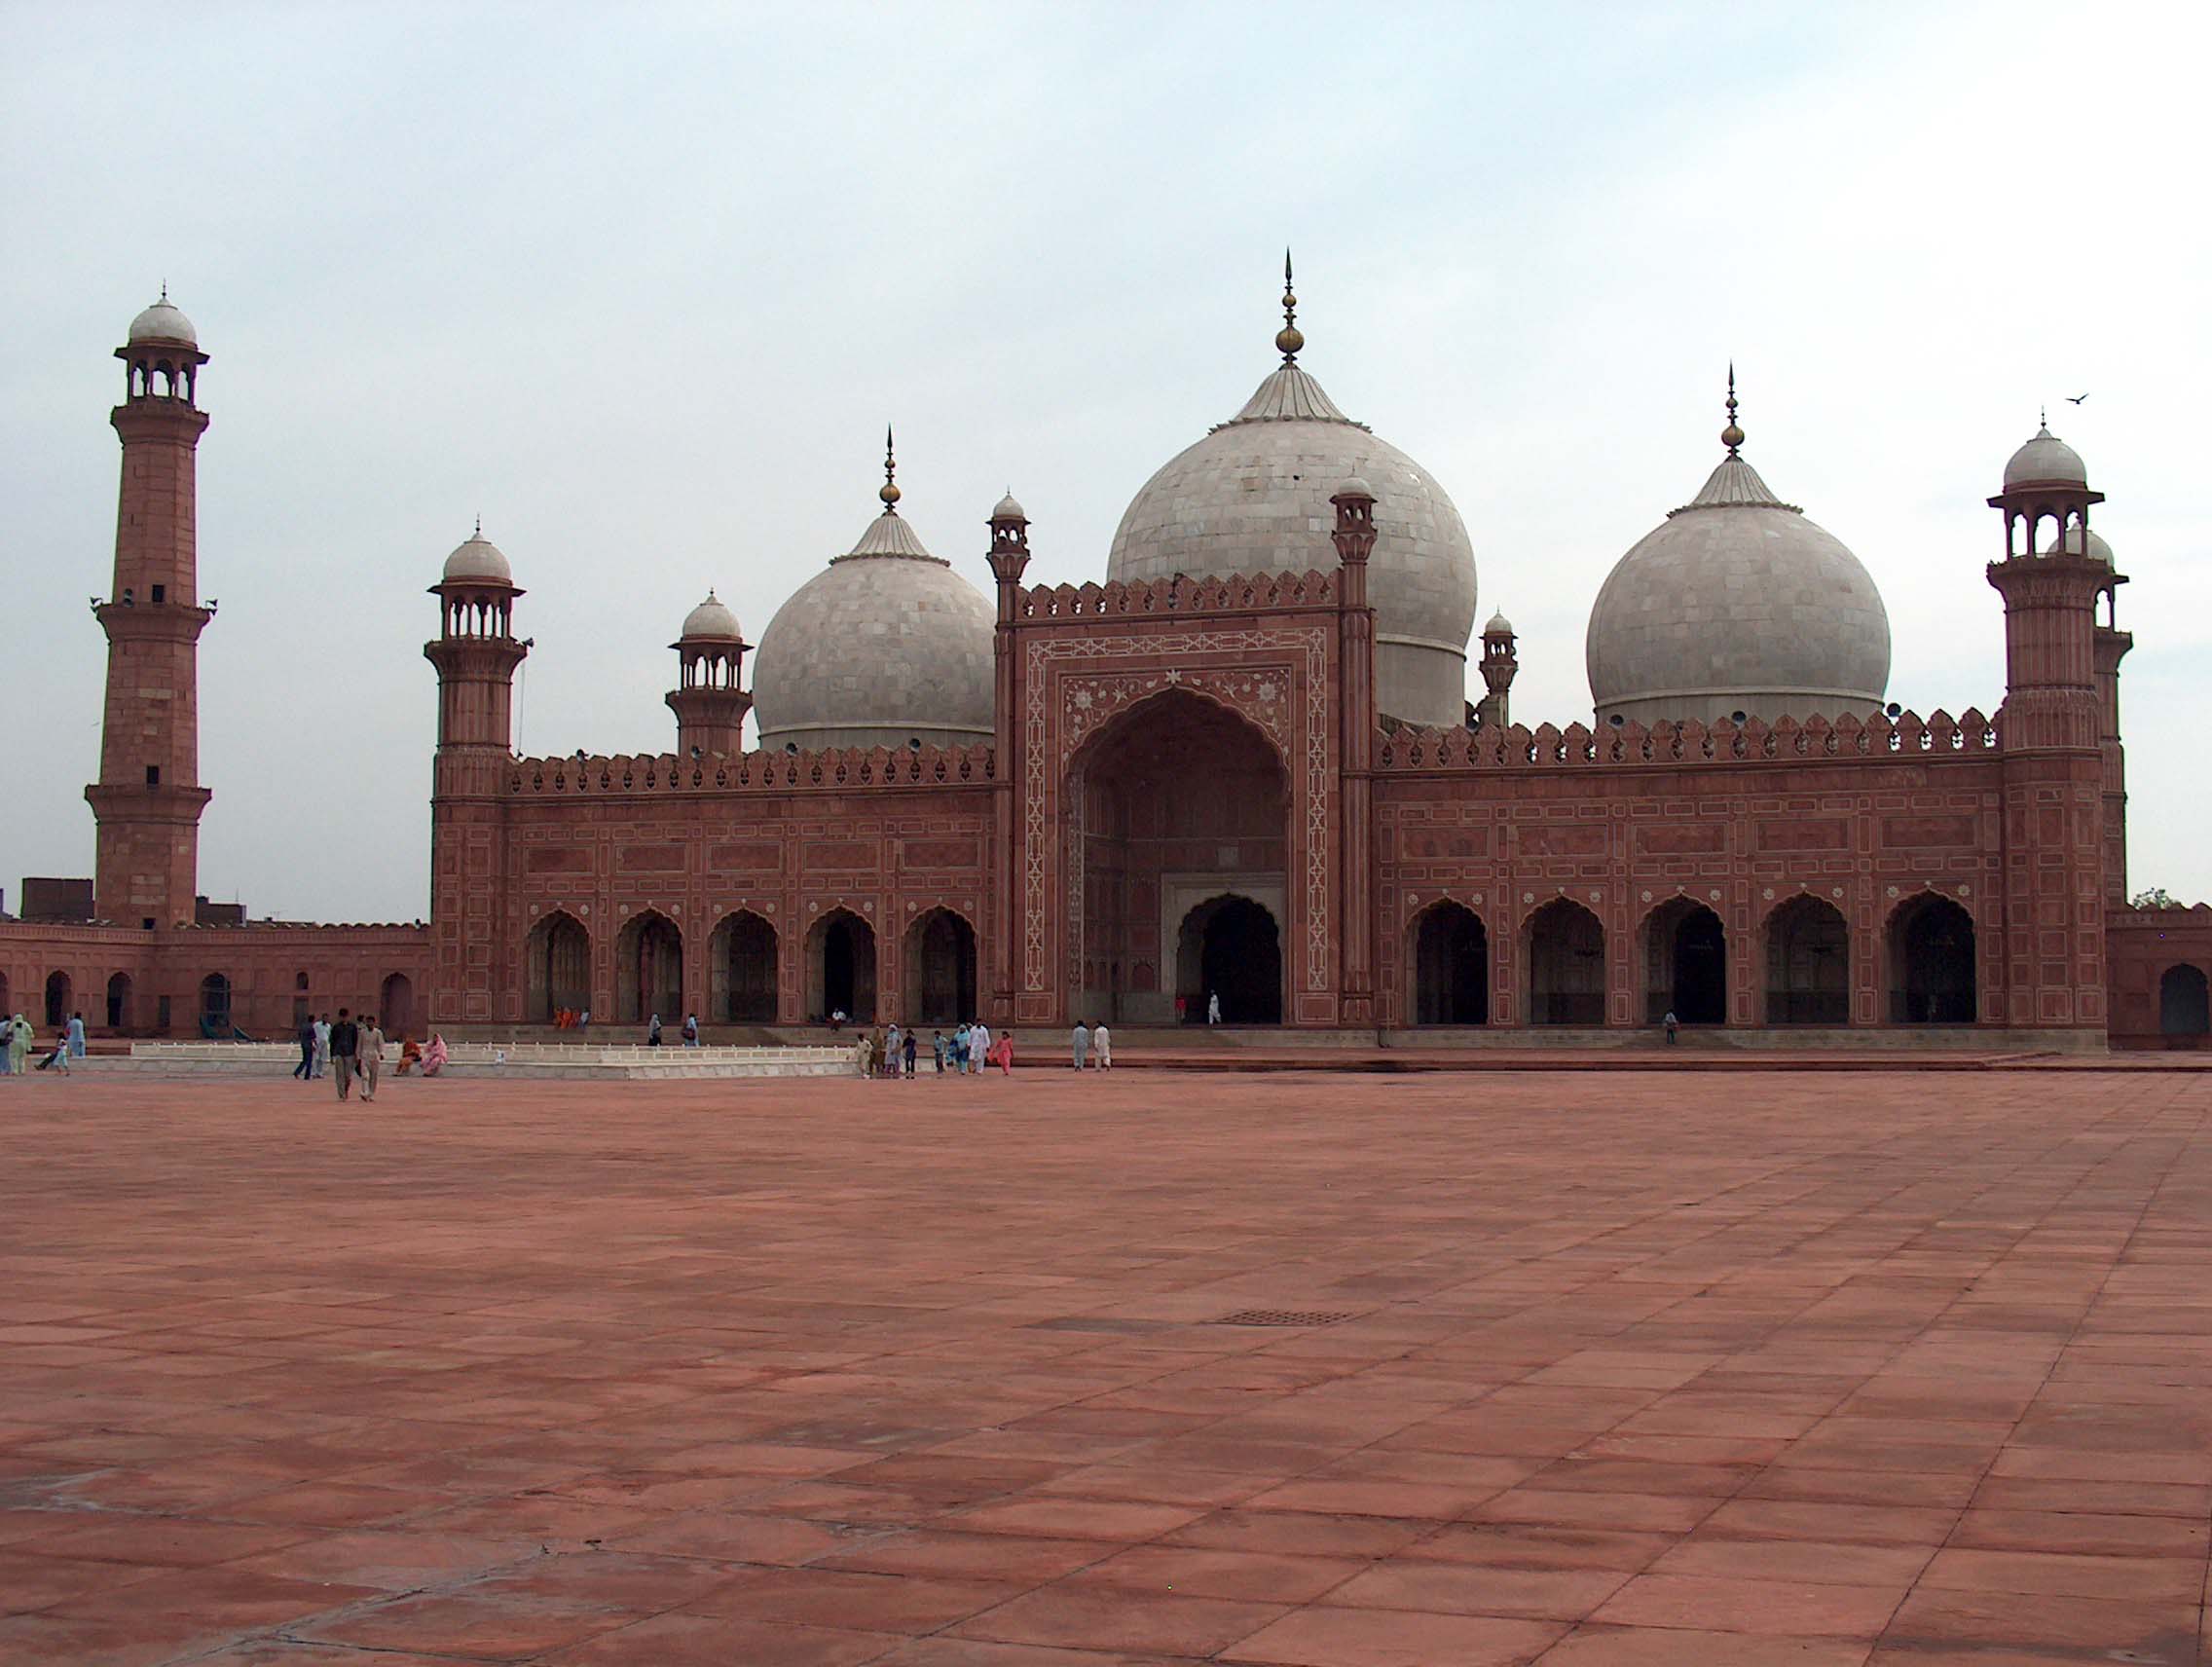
<point>1102,1047</point>
<point>305,1069</point>
<point>321,1045</point>
<point>978,1046</point>
<point>76,1036</point>
<point>345,1040</point>
<point>1213,1007</point>
<point>371,1055</point>
<point>913,1047</point>
<point>690,1031</point>
<point>1082,1045</point>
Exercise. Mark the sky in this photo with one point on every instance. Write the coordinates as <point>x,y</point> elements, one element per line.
<point>641,286</point>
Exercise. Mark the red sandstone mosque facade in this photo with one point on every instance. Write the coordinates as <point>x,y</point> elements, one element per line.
<point>1241,767</point>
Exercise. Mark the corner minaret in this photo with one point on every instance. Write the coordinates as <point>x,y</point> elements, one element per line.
<point>709,706</point>
<point>2051,951</point>
<point>148,799</point>
<point>1499,663</point>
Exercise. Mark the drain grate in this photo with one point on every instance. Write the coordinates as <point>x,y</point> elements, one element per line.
<point>1281,1316</point>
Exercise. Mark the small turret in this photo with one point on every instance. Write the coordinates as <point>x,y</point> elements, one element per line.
<point>709,705</point>
<point>1498,664</point>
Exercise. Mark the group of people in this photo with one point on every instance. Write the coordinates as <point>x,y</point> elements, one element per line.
<point>690,1031</point>
<point>571,1017</point>
<point>1093,1045</point>
<point>352,1050</point>
<point>17,1039</point>
<point>894,1050</point>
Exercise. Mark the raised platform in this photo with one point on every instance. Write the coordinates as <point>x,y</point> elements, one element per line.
<point>547,1062</point>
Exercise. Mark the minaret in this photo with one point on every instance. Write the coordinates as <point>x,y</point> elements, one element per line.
<point>2111,646</point>
<point>1008,558</point>
<point>709,706</point>
<point>1494,711</point>
<point>2049,731</point>
<point>1354,538</point>
<point>476,653</point>
<point>148,798</point>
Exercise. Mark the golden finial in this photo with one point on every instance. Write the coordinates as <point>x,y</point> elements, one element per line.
<point>1287,339</point>
<point>164,289</point>
<point>479,532</point>
<point>889,490</point>
<point>1732,436</point>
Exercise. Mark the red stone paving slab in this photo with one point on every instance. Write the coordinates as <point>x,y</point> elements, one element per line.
<point>1634,1373</point>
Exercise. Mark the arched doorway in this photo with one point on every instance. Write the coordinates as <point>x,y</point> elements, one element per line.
<point>1808,963</point>
<point>2185,1004</point>
<point>1174,804</point>
<point>1566,957</point>
<point>1451,966</point>
<point>118,1002</point>
<point>1931,963</point>
<point>215,1006</point>
<point>648,969</point>
<point>1230,947</point>
<point>560,967</point>
<point>58,991</point>
<point>840,967</point>
<point>396,1004</point>
<point>940,969</point>
<point>300,1000</point>
<point>741,970</point>
<point>1685,964</point>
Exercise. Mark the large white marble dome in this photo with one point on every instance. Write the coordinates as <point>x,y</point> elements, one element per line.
<point>1253,497</point>
<point>1737,604</point>
<point>885,647</point>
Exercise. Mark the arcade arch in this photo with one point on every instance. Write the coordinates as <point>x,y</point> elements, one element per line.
<point>1808,963</point>
<point>2185,1002</point>
<point>1450,956</point>
<point>559,967</point>
<point>1176,808</point>
<point>840,967</point>
<point>215,1006</point>
<point>741,970</point>
<point>1230,947</point>
<point>395,1004</point>
<point>118,1001</point>
<point>1564,949</point>
<point>648,969</point>
<point>1685,963</point>
<point>941,968</point>
<point>1933,978</point>
<point>59,993</point>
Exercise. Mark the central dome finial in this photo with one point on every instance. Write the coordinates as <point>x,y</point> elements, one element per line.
<point>889,490</point>
<point>1732,436</point>
<point>1288,340</point>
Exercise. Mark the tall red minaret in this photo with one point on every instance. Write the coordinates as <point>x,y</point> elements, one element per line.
<point>476,653</point>
<point>2051,960</point>
<point>148,798</point>
<point>709,705</point>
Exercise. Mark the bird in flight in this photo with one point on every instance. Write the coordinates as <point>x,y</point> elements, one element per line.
<point>2076,398</point>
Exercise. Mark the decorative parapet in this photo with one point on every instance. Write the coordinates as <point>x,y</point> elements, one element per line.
<point>835,769</point>
<point>1180,595</point>
<point>1690,742</point>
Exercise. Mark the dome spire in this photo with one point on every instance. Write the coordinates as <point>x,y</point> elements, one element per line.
<point>1288,340</point>
<point>889,490</point>
<point>1732,436</point>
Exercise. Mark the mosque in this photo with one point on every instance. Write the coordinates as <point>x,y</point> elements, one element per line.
<point>1243,765</point>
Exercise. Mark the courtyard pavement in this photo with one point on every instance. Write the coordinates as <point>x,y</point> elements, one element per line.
<point>1295,1370</point>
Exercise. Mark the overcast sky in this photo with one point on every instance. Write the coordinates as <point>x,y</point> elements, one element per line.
<point>641,286</point>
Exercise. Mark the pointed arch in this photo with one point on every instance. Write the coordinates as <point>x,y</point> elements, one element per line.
<point>1934,968</point>
<point>1449,950</point>
<point>1564,949</point>
<point>648,969</point>
<point>840,966</point>
<point>559,958</point>
<point>1686,962</point>
<point>742,983</point>
<point>1808,962</point>
<point>2185,1001</point>
<point>941,968</point>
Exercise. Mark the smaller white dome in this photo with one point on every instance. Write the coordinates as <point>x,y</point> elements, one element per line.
<point>1499,626</point>
<point>1010,510</point>
<point>710,621</point>
<point>2045,461</point>
<point>2070,542</point>
<point>1353,487</point>
<point>162,322</point>
<point>478,559</point>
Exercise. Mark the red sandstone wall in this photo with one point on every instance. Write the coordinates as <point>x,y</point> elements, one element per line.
<point>2142,947</point>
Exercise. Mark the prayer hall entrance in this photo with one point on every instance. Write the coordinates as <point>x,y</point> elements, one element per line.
<point>840,968</point>
<point>940,969</point>
<point>1177,840</point>
<point>649,970</point>
<point>560,967</point>
<point>1451,966</point>
<point>1931,963</point>
<point>1686,964</point>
